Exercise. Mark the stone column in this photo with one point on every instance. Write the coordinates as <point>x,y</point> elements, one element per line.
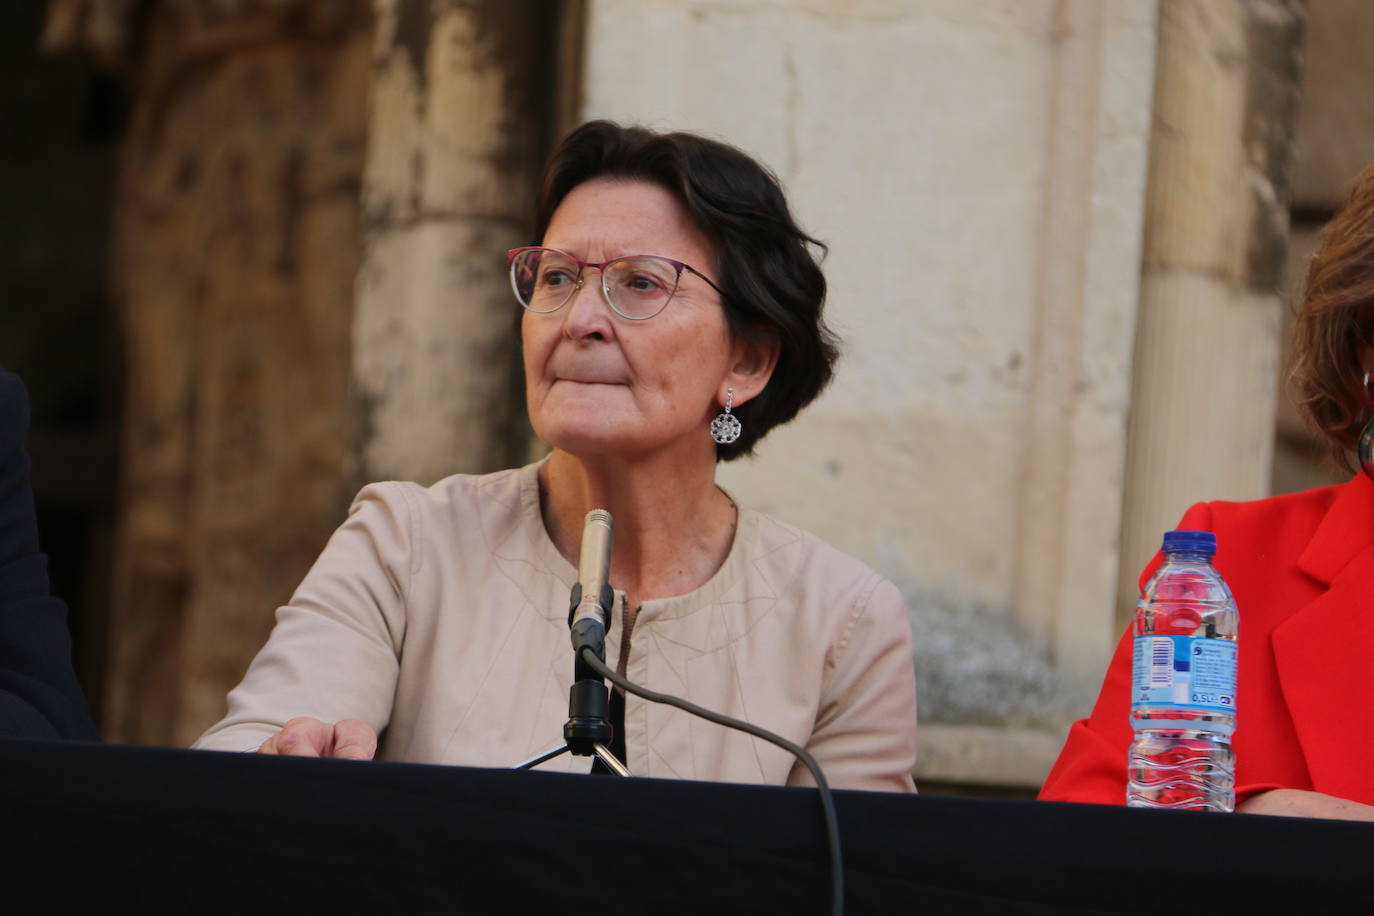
<point>463,107</point>
<point>1203,393</point>
<point>237,238</point>
<point>313,192</point>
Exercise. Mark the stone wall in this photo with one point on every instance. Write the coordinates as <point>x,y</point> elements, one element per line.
<point>978,170</point>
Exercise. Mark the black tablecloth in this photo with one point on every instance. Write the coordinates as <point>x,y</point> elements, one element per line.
<point>152,830</point>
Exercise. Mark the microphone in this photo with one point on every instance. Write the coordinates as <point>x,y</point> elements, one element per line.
<point>590,605</point>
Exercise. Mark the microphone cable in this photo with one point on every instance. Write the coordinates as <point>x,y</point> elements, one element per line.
<point>832,829</point>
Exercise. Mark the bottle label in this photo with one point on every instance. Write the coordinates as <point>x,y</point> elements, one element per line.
<point>1186,672</point>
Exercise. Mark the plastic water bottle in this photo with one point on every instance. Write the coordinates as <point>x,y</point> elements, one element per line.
<point>1183,686</point>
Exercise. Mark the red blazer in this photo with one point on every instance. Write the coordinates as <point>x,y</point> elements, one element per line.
<point>1301,568</point>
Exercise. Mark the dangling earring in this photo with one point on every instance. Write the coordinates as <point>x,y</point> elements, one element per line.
<point>1366,449</point>
<point>725,428</point>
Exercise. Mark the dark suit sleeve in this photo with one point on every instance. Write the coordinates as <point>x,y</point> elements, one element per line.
<point>39,694</point>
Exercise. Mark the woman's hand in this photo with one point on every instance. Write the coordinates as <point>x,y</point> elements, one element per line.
<point>1300,803</point>
<point>350,739</point>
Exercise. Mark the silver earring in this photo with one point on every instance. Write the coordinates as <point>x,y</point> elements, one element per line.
<point>725,428</point>
<point>1366,447</point>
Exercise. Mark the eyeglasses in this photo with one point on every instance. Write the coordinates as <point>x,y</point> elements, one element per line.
<point>635,287</point>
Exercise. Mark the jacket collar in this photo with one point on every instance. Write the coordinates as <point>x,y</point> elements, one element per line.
<point>1323,650</point>
<point>1345,531</point>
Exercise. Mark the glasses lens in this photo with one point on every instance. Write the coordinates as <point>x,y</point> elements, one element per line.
<point>640,287</point>
<point>543,279</point>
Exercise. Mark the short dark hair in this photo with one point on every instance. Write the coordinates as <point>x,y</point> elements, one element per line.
<point>771,283</point>
<point>1335,319</point>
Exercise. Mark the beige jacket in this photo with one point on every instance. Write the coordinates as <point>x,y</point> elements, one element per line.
<point>439,617</point>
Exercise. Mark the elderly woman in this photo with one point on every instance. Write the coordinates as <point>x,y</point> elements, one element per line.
<point>672,316</point>
<point>1301,567</point>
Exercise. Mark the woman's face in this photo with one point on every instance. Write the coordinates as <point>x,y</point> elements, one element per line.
<point>600,384</point>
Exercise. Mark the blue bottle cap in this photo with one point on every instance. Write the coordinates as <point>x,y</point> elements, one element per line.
<point>1190,542</point>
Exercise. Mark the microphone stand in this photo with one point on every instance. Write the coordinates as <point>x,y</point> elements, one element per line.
<point>588,731</point>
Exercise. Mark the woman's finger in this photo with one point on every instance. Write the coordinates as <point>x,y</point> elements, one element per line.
<point>301,737</point>
<point>354,740</point>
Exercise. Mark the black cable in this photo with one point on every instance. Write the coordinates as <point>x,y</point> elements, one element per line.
<point>832,828</point>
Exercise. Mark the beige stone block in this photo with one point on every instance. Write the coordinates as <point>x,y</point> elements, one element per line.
<point>434,326</point>
<point>1336,121</point>
<point>986,755</point>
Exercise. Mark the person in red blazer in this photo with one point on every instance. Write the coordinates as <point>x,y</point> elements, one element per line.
<point>1301,567</point>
